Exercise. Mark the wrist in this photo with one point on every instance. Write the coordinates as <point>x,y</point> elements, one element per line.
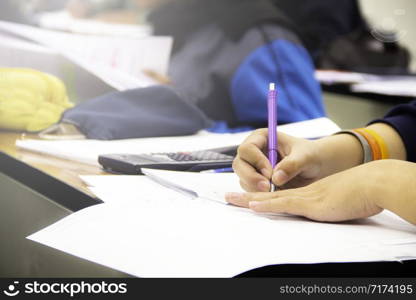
<point>382,180</point>
<point>339,152</point>
<point>372,175</point>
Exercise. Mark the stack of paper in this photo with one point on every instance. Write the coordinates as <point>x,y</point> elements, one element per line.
<point>330,77</point>
<point>63,20</point>
<point>404,88</point>
<point>148,230</point>
<point>119,62</point>
<point>87,151</point>
<point>18,53</point>
<point>391,85</point>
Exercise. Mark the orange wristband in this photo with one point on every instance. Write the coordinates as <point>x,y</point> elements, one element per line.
<point>375,148</point>
<point>381,143</point>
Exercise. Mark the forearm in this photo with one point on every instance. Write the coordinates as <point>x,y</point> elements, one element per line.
<point>392,187</point>
<point>344,151</point>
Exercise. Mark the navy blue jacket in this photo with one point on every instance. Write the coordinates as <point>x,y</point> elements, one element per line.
<point>403,119</point>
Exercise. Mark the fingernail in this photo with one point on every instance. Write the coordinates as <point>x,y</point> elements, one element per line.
<point>264,186</point>
<point>266,173</point>
<point>233,196</point>
<point>280,177</point>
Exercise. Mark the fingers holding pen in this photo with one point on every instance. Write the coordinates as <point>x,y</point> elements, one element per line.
<point>250,179</point>
<point>251,165</point>
<point>252,155</point>
<point>299,165</point>
<point>299,160</point>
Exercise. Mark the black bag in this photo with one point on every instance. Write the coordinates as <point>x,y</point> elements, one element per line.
<point>145,112</point>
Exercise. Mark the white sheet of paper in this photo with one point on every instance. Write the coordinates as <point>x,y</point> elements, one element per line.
<point>405,88</point>
<point>209,186</point>
<point>87,151</point>
<point>392,85</point>
<point>330,77</point>
<point>18,53</point>
<point>205,185</point>
<point>62,20</point>
<point>118,61</point>
<point>150,231</point>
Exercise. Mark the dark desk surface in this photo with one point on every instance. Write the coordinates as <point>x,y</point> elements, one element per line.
<point>25,209</point>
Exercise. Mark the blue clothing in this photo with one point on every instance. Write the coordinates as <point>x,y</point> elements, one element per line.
<point>289,66</point>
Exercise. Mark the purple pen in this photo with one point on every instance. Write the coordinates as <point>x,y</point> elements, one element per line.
<point>272,117</point>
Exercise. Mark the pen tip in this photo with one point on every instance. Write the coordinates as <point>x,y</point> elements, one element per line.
<point>272,87</point>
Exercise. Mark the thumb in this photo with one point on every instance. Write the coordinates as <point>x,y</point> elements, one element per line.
<point>289,167</point>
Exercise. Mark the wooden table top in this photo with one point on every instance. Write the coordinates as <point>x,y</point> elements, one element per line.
<point>64,170</point>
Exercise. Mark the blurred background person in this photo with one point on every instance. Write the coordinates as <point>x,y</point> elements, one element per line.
<point>221,65</point>
<point>339,37</point>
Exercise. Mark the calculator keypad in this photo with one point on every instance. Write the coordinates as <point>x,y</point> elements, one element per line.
<point>194,156</point>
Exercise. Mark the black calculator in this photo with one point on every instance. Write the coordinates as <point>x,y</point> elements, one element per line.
<point>195,161</point>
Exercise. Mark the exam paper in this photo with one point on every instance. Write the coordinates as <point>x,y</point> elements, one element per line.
<point>203,185</point>
<point>208,186</point>
<point>119,62</point>
<point>149,231</point>
<point>87,151</point>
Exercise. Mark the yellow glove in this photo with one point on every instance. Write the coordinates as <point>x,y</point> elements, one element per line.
<point>30,100</point>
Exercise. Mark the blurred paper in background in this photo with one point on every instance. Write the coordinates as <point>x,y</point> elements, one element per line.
<point>15,52</point>
<point>118,61</point>
<point>63,20</point>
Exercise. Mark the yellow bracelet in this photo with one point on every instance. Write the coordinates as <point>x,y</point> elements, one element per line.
<point>380,141</point>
